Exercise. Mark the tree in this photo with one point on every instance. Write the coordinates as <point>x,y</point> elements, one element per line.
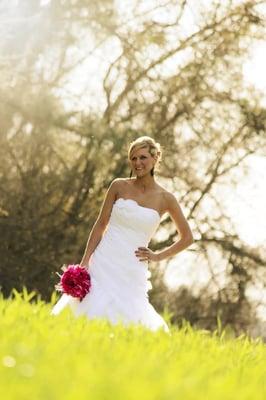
<point>180,83</point>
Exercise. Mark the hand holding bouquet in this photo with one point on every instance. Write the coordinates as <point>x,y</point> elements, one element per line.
<point>75,281</point>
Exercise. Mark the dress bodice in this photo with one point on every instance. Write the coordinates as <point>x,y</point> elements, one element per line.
<point>134,222</point>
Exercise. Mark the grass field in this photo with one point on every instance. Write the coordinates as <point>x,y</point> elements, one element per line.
<point>60,357</point>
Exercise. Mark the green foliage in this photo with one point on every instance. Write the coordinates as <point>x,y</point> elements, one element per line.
<point>48,357</point>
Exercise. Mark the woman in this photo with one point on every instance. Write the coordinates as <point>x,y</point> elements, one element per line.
<point>117,252</point>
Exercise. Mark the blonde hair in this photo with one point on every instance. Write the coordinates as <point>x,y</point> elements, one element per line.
<point>154,148</point>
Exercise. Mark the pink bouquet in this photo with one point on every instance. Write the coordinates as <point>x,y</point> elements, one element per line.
<point>75,281</point>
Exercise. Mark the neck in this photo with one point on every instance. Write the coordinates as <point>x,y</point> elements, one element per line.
<point>145,183</point>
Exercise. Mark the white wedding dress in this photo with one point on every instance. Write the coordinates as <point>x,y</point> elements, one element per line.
<point>119,280</point>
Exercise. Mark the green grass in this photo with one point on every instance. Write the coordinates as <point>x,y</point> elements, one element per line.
<point>62,357</point>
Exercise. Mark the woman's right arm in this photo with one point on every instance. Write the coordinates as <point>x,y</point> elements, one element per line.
<point>101,222</point>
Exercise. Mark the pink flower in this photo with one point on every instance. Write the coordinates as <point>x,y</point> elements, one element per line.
<point>75,281</point>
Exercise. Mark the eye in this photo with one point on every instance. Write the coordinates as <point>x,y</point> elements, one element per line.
<point>143,157</point>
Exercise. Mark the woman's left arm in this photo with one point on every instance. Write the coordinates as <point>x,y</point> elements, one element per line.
<point>183,228</point>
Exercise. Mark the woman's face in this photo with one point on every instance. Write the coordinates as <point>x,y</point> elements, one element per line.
<point>141,162</point>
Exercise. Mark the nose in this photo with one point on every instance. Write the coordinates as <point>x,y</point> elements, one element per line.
<point>138,163</point>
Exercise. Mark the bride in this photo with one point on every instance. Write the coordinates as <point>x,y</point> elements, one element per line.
<point>117,252</point>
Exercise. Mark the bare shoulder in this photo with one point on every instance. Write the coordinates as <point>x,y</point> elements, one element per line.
<point>173,207</point>
<point>122,182</point>
<point>118,182</point>
<point>163,198</point>
<point>118,186</point>
<point>161,191</point>
<point>170,199</point>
